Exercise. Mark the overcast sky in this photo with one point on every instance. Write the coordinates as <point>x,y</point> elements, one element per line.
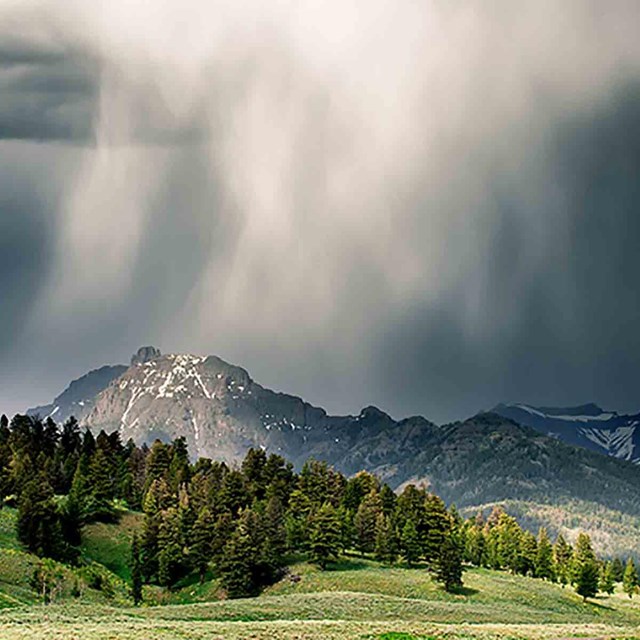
<point>428,206</point>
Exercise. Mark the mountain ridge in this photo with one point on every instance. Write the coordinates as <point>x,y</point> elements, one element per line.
<point>588,426</point>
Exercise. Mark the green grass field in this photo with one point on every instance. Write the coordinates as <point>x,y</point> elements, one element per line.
<point>356,599</point>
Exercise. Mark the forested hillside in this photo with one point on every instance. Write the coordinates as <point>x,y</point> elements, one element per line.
<point>243,526</point>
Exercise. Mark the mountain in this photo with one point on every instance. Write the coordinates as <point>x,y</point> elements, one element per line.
<point>78,398</point>
<point>490,458</point>
<point>586,426</point>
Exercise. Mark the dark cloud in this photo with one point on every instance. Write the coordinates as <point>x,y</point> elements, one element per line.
<point>567,333</point>
<point>307,200</point>
<point>26,227</point>
<point>47,93</point>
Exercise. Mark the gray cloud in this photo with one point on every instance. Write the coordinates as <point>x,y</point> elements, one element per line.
<point>433,209</point>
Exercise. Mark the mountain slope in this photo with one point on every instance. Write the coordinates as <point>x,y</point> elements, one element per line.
<point>586,426</point>
<point>78,398</point>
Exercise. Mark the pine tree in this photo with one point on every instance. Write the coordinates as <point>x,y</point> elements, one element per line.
<point>438,523</point>
<point>617,567</point>
<point>527,554</point>
<point>324,539</point>
<point>38,524</point>
<point>171,560</point>
<point>236,564</point>
<point>365,521</point>
<point>410,543</point>
<point>630,578</point>
<point>475,546</point>
<point>562,555</point>
<point>136,571</point>
<point>386,549</point>
<point>100,504</point>
<point>201,549</point>
<point>544,557</point>
<point>448,566</point>
<point>607,580</point>
<point>509,539</point>
<point>585,568</point>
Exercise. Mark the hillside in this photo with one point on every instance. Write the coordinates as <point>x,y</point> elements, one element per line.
<point>357,599</point>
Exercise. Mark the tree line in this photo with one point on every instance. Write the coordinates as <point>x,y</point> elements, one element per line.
<point>243,525</point>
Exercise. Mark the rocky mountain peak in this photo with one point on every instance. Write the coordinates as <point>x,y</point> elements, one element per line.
<point>145,354</point>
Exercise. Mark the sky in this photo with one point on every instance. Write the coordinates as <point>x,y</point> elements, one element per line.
<point>428,206</point>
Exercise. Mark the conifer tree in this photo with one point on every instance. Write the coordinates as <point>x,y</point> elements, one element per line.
<point>100,502</point>
<point>410,543</point>
<point>475,545</point>
<point>365,521</point>
<point>201,550</point>
<point>562,555</point>
<point>509,538</point>
<point>324,539</point>
<point>607,580</point>
<point>38,524</point>
<point>527,554</point>
<point>386,549</point>
<point>438,523</point>
<point>630,578</point>
<point>617,567</point>
<point>236,563</point>
<point>136,571</point>
<point>448,566</point>
<point>171,560</point>
<point>585,568</point>
<point>544,557</point>
<point>275,536</point>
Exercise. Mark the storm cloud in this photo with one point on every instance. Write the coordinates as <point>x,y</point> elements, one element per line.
<point>432,207</point>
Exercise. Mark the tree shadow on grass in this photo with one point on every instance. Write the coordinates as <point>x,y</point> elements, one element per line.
<point>464,591</point>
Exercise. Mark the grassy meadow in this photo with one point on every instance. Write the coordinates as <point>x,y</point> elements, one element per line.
<point>355,599</point>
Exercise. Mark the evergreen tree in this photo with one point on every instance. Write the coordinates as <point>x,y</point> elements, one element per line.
<point>275,535</point>
<point>630,578</point>
<point>386,549</point>
<point>201,550</point>
<point>236,564</point>
<point>410,543</point>
<point>448,566</point>
<point>99,505</point>
<point>38,524</point>
<point>509,539</point>
<point>617,567</point>
<point>438,524</point>
<point>585,568</point>
<point>607,580</point>
<point>475,546</point>
<point>171,560</point>
<point>136,571</point>
<point>562,555</point>
<point>527,554</point>
<point>365,521</point>
<point>324,540</point>
<point>544,557</point>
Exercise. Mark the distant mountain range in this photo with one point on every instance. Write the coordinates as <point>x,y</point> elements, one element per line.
<point>586,426</point>
<point>533,456</point>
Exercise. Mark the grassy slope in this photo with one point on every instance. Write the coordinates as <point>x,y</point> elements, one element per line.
<point>357,599</point>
